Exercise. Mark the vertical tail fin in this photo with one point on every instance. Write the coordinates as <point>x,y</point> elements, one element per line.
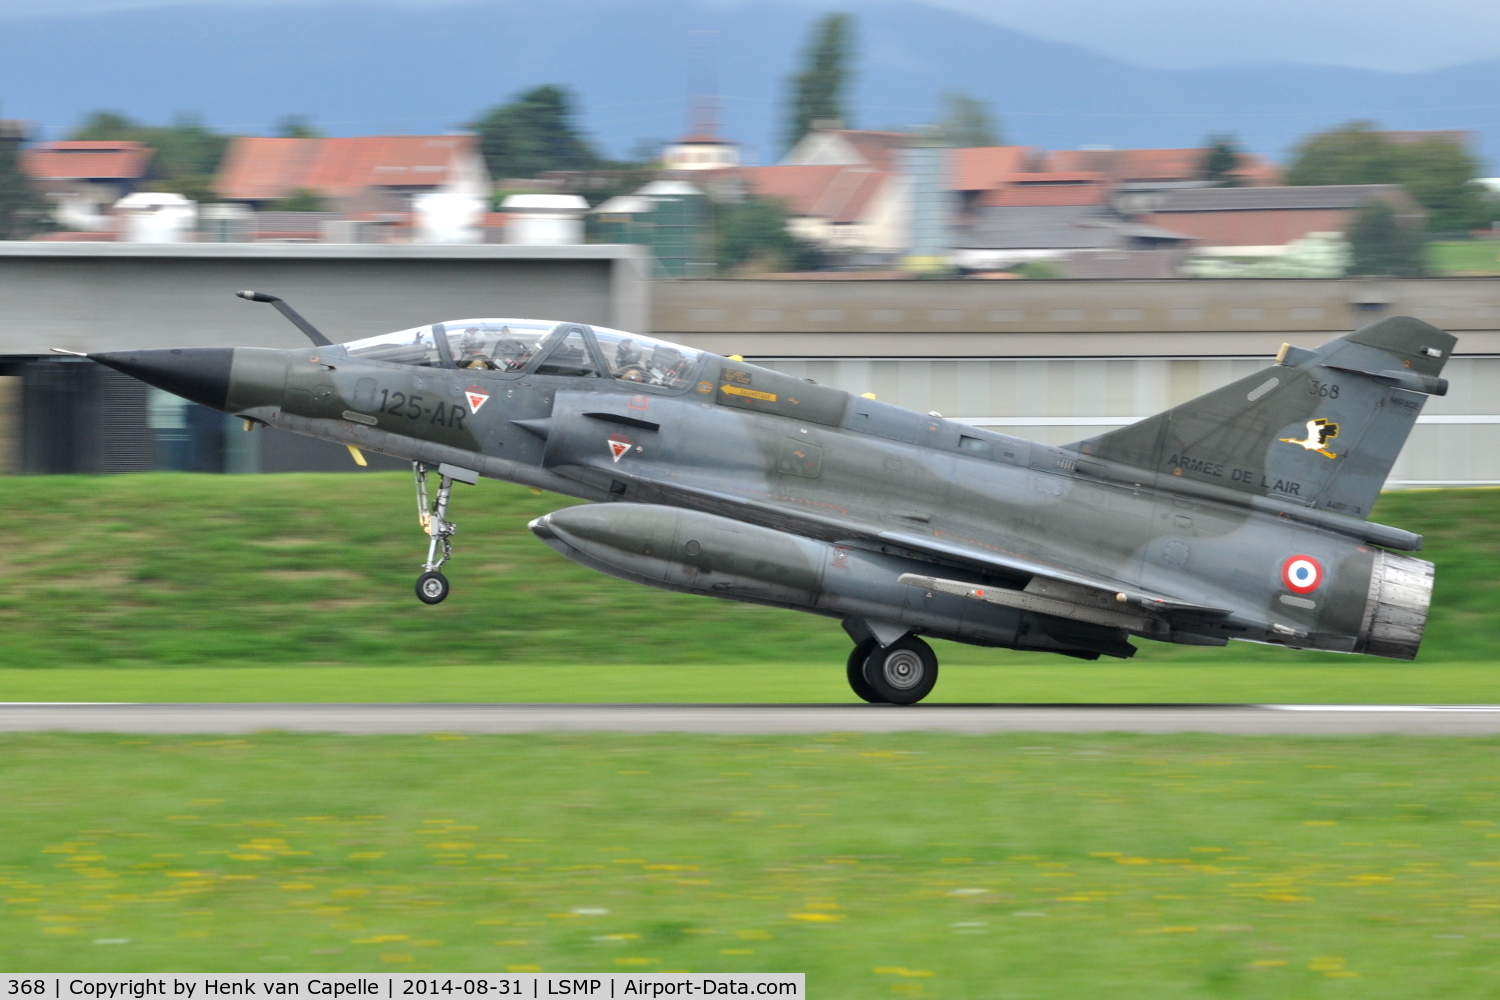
<point>1321,427</point>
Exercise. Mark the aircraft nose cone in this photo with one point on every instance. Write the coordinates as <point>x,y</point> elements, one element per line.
<point>200,374</point>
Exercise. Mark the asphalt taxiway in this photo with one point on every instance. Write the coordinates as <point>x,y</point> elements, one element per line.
<point>372,719</point>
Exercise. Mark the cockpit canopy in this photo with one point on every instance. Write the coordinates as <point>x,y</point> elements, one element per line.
<point>514,345</point>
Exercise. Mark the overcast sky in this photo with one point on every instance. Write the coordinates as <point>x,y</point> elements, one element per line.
<point>1376,34</point>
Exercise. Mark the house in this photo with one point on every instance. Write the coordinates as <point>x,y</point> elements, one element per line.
<point>1157,166</point>
<point>1261,221</point>
<point>842,188</point>
<point>829,144</point>
<point>1014,177</point>
<point>1050,215</point>
<point>1004,236</point>
<point>354,175</point>
<point>849,189</point>
<point>844,208</point>
<point>82,179</point>
<point>977,173</point>
<point>1045,189</point>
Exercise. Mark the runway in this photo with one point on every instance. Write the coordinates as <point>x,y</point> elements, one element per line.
<point>374,719</point>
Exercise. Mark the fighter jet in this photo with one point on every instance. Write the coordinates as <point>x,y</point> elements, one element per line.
<point>1238,515</point>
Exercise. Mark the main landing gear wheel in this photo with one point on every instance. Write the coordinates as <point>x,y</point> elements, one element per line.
<point>432,588</point>
<point>856,671</point>
<point>902,673</point>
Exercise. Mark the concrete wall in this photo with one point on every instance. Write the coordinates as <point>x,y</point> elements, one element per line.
<point>999,319</point>
<point>1056,361</point>
<point>103,296</point>
<point>1060,361</point>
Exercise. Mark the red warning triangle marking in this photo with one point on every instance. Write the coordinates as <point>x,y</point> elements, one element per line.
<point>619,444</point>
<point>477,397</point>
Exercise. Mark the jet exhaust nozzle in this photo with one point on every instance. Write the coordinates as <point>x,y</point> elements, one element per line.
<point>1396,611</point>
<point>200,374</point>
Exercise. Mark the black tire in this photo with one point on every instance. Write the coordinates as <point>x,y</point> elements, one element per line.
<point>432,588</point>
<point>856,671</point>
<point>902,673</point>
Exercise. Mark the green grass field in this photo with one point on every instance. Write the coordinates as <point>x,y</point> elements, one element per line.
<point>921,865</point>
<point>909,865</point>
<point>181,587</point>
<point>1459,257</point>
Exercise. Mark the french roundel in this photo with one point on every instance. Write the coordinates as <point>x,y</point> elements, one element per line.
<point>1301,574</point>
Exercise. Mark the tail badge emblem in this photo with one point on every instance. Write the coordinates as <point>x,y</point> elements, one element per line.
<point>1319,433</point>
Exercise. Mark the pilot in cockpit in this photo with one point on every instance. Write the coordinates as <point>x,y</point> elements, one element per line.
<point>471,350</point>
<point>627,354</point>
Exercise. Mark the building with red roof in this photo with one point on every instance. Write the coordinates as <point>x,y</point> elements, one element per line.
<point>842,188</point>
<point>1157,166</point>
<point>82,179</point>
<point>984,168</point>
<point>844,207</point>
<point>354,174</point>
<point>830,144</point>
<point>1046,189</point>
<point>1243,221</point>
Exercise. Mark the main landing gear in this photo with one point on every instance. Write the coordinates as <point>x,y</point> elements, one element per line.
<point>902,673</point>
<point>432,586</point>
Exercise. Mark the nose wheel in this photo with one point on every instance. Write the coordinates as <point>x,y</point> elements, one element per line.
<point>432,586</point>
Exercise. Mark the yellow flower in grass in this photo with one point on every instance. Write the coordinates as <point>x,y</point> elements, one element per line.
<point>1331,966</point>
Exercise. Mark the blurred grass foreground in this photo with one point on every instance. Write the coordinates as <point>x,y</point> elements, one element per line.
<point>1024,865</point>
<point>180,576</point>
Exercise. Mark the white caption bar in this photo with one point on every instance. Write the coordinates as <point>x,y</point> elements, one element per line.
<point>396,986</point>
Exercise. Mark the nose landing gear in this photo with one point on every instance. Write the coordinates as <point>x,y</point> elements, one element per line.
<point>432,586</point>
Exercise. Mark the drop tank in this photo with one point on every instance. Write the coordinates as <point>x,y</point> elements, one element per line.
<point>698,553</point>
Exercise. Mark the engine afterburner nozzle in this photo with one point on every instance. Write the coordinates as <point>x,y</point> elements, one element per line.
<point>200,374</point>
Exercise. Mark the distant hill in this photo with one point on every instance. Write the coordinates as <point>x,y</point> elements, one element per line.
<point>362,67</point>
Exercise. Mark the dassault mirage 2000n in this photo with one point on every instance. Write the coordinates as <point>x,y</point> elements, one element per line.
<point>1238,515</point>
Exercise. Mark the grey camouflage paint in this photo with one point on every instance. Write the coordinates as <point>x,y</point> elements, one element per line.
<point>752,485</point>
